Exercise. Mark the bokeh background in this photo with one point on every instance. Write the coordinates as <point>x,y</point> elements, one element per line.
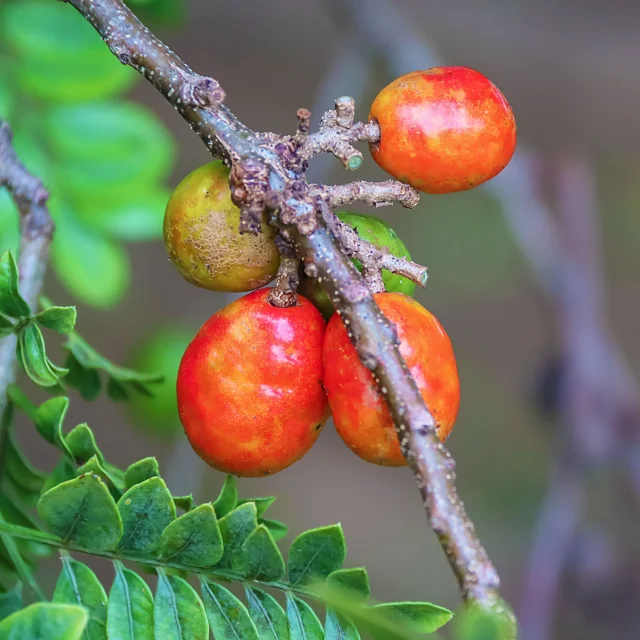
<point>534,277</point>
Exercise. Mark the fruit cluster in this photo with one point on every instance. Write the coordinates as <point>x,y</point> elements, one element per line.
<point>258,382</point>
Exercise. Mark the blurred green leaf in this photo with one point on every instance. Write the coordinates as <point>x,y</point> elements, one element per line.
<point>62,472</point>
<point>276,528</point>
<point>7,99</point>
<point>138,217</point>
<point>73,81</point>
<point>171,13</point>
<point>262,504</point>
<point>183,502</point>
<point>12,304</point>
<point>113,147</point>
<point>91,267</point>
<point>82,511</point>
<point>49,419</point>
<point>355,580</point>
<point>19,469</point>
<point>45,621</point>
<point>422,617</point>
<point>337,627</point>
<point>9,224</point>
<point>160,352</point>
<point>11,601</point>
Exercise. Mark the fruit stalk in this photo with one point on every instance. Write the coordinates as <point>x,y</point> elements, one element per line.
<point>268,173</point>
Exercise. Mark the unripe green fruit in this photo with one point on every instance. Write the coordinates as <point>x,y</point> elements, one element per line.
<point>202,238</point>
<point>377,232</point>
<point>160,352</point>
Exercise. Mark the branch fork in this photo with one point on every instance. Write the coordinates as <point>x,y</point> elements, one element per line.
<point>268,177</point>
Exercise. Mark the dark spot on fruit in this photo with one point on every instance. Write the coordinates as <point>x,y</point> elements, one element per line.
<point>318,427</point>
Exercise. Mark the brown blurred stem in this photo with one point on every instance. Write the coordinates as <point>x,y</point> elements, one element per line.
<point>267,170</point>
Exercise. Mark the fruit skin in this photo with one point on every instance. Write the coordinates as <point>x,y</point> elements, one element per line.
<point>359,410</point>
<point>202,238</point>
<point>377,232</point>
<point>442,130</point>
<point>250,393</point>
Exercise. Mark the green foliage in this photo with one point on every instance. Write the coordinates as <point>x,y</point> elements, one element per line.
<point>45,621</point>
<point>90,506</point>
<point>105,160</point>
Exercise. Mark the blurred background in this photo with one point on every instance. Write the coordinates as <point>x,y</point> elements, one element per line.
<point>535,277</point>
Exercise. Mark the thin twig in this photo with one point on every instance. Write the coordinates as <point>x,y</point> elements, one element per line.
<point>267,171</point>
<point>375,194</point>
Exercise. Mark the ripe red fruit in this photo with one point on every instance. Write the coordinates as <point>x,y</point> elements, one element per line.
<point>250,393</point>
<point>359,410</point>
<point>442,130</point>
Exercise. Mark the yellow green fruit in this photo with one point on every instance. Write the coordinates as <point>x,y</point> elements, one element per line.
<point>377,232</point>
<point>202,238</point>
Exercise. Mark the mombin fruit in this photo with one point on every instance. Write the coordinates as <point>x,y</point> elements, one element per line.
<point>442,130</point>
<point>359,410</point>
<point>375,231</point>
<point>250,393</point>
<point>201,235</point>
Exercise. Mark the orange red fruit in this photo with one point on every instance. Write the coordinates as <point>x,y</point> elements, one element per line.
<point>442,130</point>
<point>249,388</point>
<point>359,410</point>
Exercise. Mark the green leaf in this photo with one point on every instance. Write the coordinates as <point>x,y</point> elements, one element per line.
<point>89,359</point>
<point>13,512</point>
<point>337,627</point>
<point>183,502</point>
<point>6,326</point>
<point>94,467</point>
<point>91,267</point>
<point>146,510</point>
<point>49,418</point>
<point>86,381</point>
<point>235,528</point>
<point>303,622</point>
<point>316,553</point>
<point>83,512</point>
<point>476,623</point>
<point>11,601</point>
<point>108,147</point>
<point>227,501</point>
<point>19,469</point>
<point>355,580</point>
<point>276,528</point>
<point>77,584</point>
<point>11,302</point>
<point>259,557</point>
<point>82,444</point>
<point>193,538</point>
<point>9,216</point>
<point>140,471</point>
<point>138,217</point>
<point>421,617</point>
<point>262,504</point>
<point>62,472</point>
<point>60,319</point>
<point>33,356</point>
<point>268,616</point>
<point>45,621</point>
<point>228,617</point>
<point>130,608</point>
<point>178,613</point>
<point>77,80</point>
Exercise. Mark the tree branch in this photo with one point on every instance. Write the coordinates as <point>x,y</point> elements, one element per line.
<point>36,230</point>
<point>268,174</point>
